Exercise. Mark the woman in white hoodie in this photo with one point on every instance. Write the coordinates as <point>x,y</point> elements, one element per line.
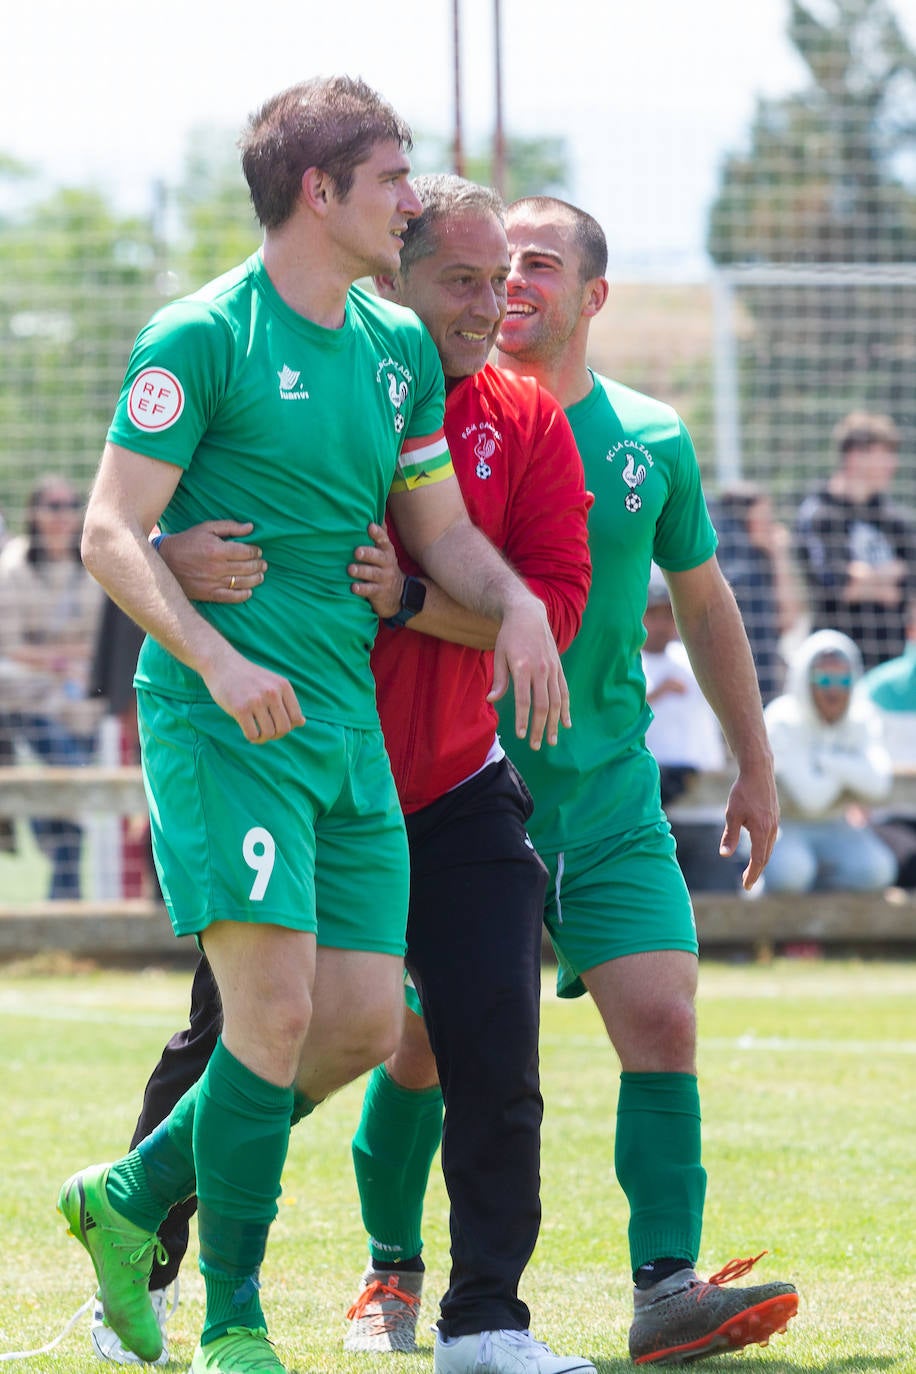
<point>830,755</point>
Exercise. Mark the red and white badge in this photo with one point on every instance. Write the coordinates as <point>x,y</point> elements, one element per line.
<point>155,400</point>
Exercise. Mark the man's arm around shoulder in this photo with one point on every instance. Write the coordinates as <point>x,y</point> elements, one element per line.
<point>436,530</point>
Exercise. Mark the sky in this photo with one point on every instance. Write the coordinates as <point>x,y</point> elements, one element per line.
<point>649,94</point>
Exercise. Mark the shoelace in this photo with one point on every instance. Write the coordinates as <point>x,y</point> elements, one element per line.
<point>161,1301</point>
<point>376,1290</point>
<point>160,1254</point>
<point>485,1349</point>
<point>240,1352</point>
<point>87,1306</point>
<point>735,1269</point>
<point>43,1350</point>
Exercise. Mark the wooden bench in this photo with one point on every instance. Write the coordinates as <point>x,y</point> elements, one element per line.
<point>27,790</point>
<point>132,928</point>
<point>710,790</point>
<point>140,930</point>
<point>101,930</point>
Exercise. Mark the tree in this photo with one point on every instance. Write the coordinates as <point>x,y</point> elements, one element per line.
<point>827,183</point>
<point>823,180</point>
<point>217,223</point>
<point>78,281</point>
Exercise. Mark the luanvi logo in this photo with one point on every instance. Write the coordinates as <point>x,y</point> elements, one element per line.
<point>289,385</point>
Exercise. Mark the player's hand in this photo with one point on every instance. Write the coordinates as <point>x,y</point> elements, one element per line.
<point>211,565</point>
<point>526,652</point>
<point>263,702</point>
<point>376,574</point>
<point>753,804</point>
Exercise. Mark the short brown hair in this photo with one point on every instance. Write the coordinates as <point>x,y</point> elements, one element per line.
<point>588,235</point>
<point>329,122</point>
<point>861,429</point>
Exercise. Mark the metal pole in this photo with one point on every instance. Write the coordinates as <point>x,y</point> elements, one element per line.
<point>499,138</point>
<point>457,142</point>
<point>727,397</point>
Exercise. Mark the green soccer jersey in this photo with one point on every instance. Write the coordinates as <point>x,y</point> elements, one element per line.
<point>302,430</point>
<point>641,467</point>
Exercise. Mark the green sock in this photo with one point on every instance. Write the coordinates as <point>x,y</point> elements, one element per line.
<point>657,1159</point>
<point>393,1149</point>
<point>145,1184</point>
<point>241,1134</point>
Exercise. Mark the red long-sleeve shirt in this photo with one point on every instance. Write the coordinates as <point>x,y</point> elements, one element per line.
<point>521,476</point>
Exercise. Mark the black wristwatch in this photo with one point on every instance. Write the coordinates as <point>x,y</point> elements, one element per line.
<point>413,596</point>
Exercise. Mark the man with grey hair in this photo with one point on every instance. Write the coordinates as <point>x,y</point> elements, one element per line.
<point>617,909</point>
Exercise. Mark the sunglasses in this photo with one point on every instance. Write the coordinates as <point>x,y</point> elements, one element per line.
<point>60,503</point>
<point>831,680</point>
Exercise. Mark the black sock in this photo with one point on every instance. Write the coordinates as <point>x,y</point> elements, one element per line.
<point>414,1265</point>
<point>647,1275</point>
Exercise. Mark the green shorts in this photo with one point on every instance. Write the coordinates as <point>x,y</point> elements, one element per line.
<point>620,895</point>
<point>304,832</point>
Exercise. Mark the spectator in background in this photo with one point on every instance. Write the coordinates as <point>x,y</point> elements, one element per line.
<point>7,827</point>
<point>685,739</point>
<point>857,550</point>
<point>49,609</point>
<point>754,554</point>
<point>891,689</point>
<point>830,759</point>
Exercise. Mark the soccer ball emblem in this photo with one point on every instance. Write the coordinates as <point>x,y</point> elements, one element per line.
<point>632,501</point>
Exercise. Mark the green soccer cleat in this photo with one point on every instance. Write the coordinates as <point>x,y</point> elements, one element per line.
<point>240,1351</point>
<point>122,1255</point>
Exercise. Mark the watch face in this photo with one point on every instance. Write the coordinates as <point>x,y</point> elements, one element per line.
<point>414,595</point>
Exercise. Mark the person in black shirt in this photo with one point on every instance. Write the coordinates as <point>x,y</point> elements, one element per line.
<point>856,549</point>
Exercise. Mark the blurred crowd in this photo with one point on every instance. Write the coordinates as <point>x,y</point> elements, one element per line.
<point>828,600</point>
<point>67,657</point>
<point>829,603</point>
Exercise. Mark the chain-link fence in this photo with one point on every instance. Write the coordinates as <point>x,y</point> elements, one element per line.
<point>807,315</point>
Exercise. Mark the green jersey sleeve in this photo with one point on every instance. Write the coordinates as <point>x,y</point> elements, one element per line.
<point>176,376</point>
<point>684,535</point>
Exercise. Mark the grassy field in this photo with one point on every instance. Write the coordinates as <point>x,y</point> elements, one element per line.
<point>808,1073</point>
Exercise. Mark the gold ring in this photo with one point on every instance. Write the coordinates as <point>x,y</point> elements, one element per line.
<point>232,583</point>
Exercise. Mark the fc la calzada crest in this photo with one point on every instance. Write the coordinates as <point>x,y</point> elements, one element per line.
<point>633,472</point>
